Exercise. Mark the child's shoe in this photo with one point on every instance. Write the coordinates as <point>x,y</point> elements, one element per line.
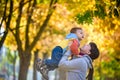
<point>40,66</point>
<point>44,71</point>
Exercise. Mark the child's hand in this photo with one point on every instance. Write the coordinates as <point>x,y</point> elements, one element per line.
<point>69,44</point>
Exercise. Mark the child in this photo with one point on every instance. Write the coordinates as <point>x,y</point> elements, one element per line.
<point>73,39</point>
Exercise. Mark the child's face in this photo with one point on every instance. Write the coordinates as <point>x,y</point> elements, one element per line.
<point>80,34</point>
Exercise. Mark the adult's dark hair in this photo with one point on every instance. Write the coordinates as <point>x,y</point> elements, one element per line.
<point>94,51</point>
<point>94,54</point>
<point>73,30</point>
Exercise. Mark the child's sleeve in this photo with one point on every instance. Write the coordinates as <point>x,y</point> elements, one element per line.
<point>75,47</point>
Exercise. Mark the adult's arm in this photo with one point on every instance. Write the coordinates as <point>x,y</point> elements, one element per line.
<point>74,64</point>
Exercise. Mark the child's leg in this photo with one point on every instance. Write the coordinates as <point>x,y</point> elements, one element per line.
<point>50,64</point>
<point>55,58</point>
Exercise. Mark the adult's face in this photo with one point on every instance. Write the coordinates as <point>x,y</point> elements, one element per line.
<point>86,48</point>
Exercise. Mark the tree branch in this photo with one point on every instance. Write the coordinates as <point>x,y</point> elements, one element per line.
<point>4,14</point>
<point>44,25</point>
<point>17,35</point>
<point>8,22</point>
<point>30,13</point>
<point>23,4</point>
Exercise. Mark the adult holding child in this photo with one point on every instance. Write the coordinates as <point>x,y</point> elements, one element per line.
<point>77,68</point>
<point>74,37</point>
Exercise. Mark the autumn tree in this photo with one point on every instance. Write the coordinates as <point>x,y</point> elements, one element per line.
<point>23,15</point>
<point>100,20</point>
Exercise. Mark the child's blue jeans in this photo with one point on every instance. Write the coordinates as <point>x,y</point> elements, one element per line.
<point>56,56</point>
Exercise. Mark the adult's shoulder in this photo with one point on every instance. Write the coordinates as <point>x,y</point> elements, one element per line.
<point>88,60</point>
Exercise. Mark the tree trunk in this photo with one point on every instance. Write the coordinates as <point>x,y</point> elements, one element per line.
<point>15,57</point>
<point>34,69</point>
<point>24,66</point>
